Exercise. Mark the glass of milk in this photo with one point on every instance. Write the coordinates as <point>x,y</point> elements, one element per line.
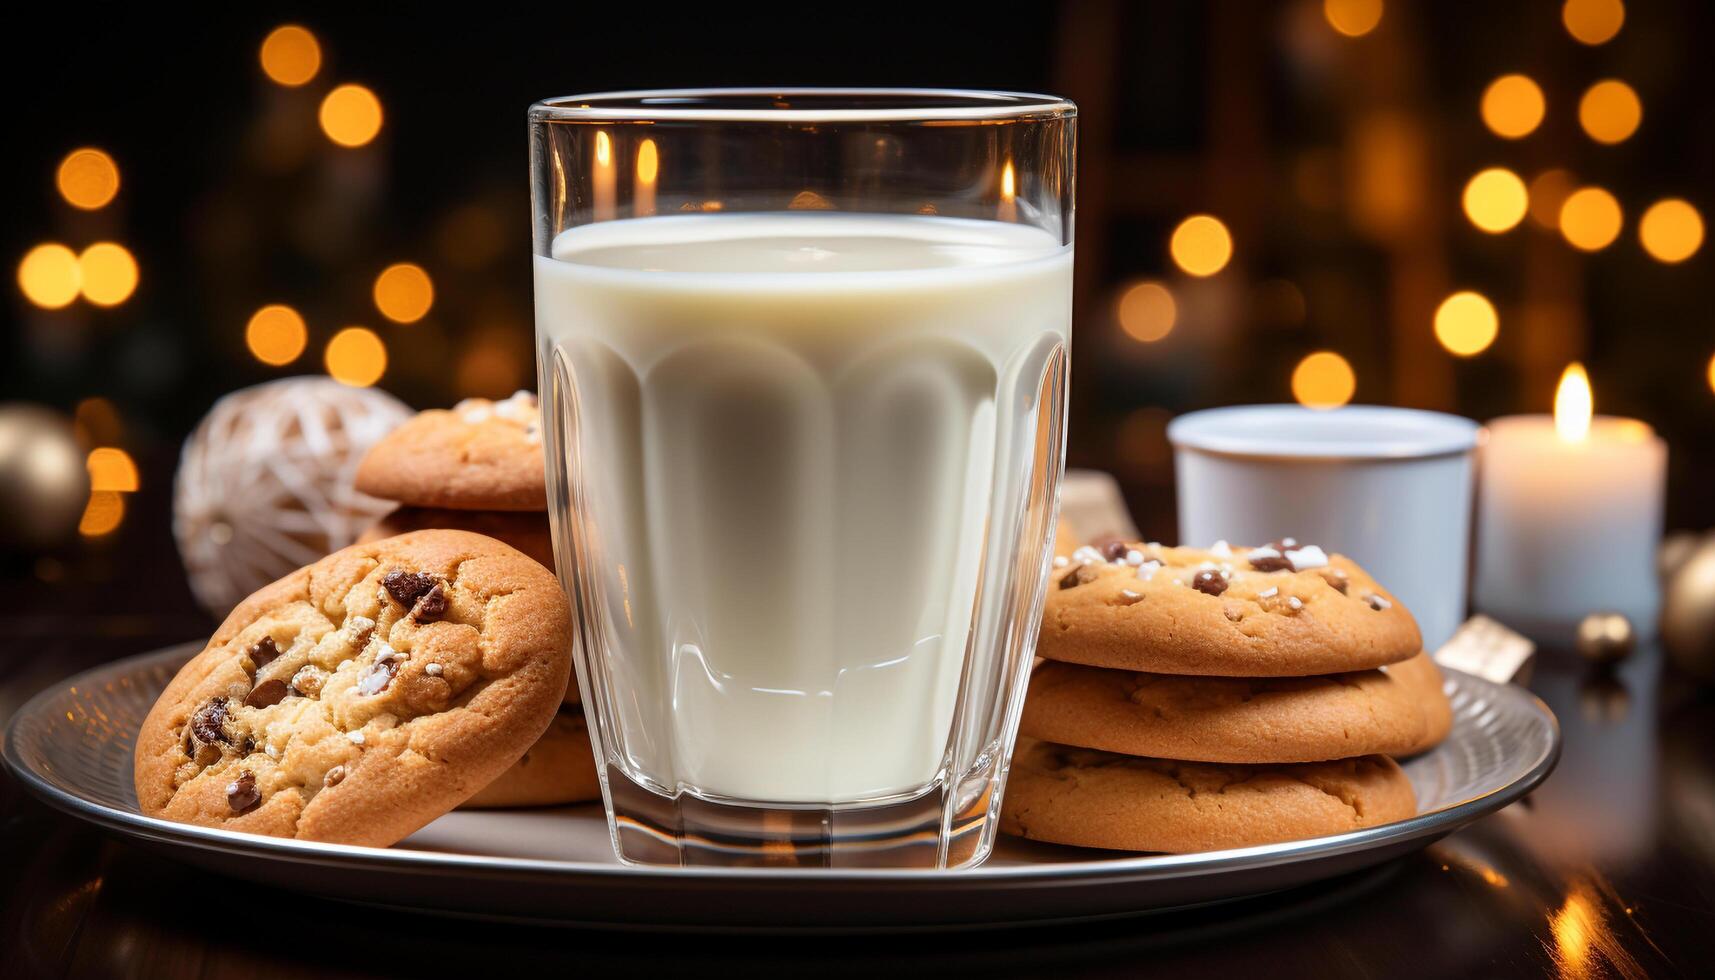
<point>803,356</point>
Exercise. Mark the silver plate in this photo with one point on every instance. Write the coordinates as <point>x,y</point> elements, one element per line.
<point>72,744</point>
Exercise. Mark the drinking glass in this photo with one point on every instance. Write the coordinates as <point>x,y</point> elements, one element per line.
<point>803,363</point>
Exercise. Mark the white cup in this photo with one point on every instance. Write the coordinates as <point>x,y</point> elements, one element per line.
<point>1388,487</point>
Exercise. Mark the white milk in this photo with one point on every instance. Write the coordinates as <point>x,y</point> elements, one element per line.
<point>791,433</point>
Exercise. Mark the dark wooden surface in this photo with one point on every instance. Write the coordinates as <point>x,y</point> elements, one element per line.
<point>1608,870</point>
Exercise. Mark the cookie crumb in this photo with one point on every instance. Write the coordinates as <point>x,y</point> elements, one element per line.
<point>334,776</point>
<point>309,679</point>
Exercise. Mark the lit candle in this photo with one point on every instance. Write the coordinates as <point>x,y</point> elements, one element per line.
<point>1008,193</point>
<point>1569,512</point>
<point>648,168</point>
<point>602,178</point>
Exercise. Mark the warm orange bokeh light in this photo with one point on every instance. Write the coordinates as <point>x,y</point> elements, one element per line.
<point>1573,404</point>
<point>1711,372</point>
<point>1353,18</point>
<point>112,469</point>
<point>276,335</point>
<point>108,273</point>
<point>1201,245</point>
<point>1610,111</point>
<point>1671,230</point>
<point>1496,200</point>
<point>351,115</point>
<point>1513,106</point>
<point>1548,191</point>
<point>1147,312</point>
<point>404,293</point>
<point>1466,323</point>
<point>1590,219</point>
<point>1323,380</point>
<point>87,178</point>
<point>1593,21</point>
<point>102,515</point>
<point>50,276</point>
<point>648,162</point>
<point>97,422</point>
<point>356,356</point>
<point>290,55</point>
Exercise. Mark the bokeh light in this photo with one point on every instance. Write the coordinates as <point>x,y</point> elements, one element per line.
<point>1711,372</point>
<point>356,356</point>
<point>1495,200</point>
<point>1146,311</point>
<point>1590,219</point>
<point>112,469</point>
<point>1548,191</point>
<point>1513,106</point>
<point>290,55</point>
<point>87,178</point>
<point>404,293</point>
<point>351,115</point>
<point>1353,18</point>
<point>1466,323</point>
<point>1593,21</point>
<point>50,276</point>
<point>1671,230</point>
<point>276,334</point>
<point>1323,380</point>
<point>97,422</point>
<point>1201,245</point>
<point>102,515</point>
<point>1610,111</point>
<point>107,273</point>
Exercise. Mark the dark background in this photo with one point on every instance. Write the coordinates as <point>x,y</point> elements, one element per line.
<point>1337,163</point>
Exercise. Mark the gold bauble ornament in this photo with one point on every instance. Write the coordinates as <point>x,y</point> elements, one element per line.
<point>1604,638</point>
<point>1675,549</point>
<point>44,480</point>
<point>1688,613</point>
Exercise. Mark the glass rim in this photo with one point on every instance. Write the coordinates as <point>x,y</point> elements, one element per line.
<point>681,105</point>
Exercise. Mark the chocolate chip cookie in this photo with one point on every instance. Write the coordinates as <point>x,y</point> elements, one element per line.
<point>480,455</point>
<point>559,768</point>
<point>1098,799</point>
<point>1282,610</point>
<point>1395,710</point>
<point>361,697</point>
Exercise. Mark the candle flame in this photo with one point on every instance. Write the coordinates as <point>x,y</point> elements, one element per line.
<point>1573,404</point>
<point>603,149</point>
<point>648,161</point>
<point>1008,183</point>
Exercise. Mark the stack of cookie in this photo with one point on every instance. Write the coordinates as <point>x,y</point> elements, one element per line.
<point>478,467</point>
<point>1196,700</point>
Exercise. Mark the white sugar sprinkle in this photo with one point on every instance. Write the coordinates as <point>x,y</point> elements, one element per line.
<point>1222,549</point>
<point>1147,570</point>
<point>1295,602</point>
<point>1378,602</point>
<point>1087,554</point>
<point>356,737</point>
<point>1272,590</point>
<point>433,670</point>
<point>1061,561</point>
<point>1309,556</point>
<point>1134,557</point>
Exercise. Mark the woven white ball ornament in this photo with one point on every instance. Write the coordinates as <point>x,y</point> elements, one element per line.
<point>265,483</point>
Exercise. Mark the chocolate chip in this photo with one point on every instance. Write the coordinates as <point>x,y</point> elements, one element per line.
<point>432,606</point>
<point>1210,581</point>
<point>241,794</point>
<point>264,651</point>
<point>266,694</point>
<point>1337,579</point>
<point>1111,546</point>
<point>1272,563</point>
<point>1076,577</point>
<point>407,587</point>
<point>208,724</point>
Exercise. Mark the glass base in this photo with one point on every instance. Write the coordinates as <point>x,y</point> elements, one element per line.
<point>924,831</point>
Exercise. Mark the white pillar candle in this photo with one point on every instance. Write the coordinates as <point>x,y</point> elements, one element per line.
<point>1569,516</point>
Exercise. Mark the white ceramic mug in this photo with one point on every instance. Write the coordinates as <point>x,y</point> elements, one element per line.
<point>1389,487</point>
